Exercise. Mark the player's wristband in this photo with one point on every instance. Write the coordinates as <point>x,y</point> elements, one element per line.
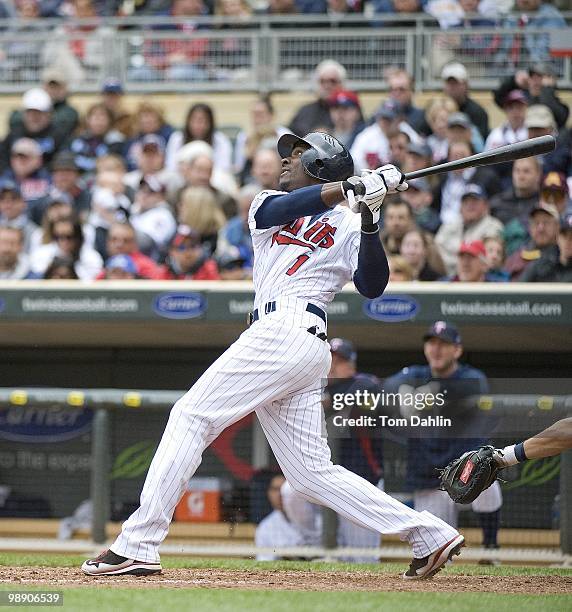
<point>358,188</point>
<point>513,454</point>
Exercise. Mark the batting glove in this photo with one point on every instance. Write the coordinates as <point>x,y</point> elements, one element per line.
<point>375,192</point>
<point>393,178</point>
<point>353,190</point>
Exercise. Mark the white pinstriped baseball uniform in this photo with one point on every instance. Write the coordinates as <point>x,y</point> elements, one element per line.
<point>277,369</point>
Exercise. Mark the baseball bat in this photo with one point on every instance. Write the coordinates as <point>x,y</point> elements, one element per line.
<point>518,150</point>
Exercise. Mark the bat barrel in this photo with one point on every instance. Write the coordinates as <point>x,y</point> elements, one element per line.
<point>518,150</point>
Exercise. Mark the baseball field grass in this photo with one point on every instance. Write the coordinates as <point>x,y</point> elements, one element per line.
<point>235,585</point>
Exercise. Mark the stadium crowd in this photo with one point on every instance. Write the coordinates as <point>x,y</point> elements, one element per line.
<point>119,195</point>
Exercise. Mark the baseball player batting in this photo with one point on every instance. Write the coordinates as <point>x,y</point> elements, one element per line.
<point>307,246</point>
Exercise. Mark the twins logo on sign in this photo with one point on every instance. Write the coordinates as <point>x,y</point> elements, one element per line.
<point>319,234</point>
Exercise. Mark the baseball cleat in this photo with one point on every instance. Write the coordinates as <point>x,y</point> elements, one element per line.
<point>110,564</point>
<point>428,566</point>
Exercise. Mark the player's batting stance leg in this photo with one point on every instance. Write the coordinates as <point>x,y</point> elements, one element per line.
<point>306,247</point>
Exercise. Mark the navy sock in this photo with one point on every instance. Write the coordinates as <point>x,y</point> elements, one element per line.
<point>490,522</point>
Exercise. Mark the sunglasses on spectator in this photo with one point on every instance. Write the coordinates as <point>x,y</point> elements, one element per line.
<point>21,155</point>
<point>62,237</point>
<point>549,195</point>
<point>330,80</point>
<point>399,89</point>
<point>185,246</point>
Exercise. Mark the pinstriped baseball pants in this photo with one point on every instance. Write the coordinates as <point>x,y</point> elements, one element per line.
<point>275,368</point>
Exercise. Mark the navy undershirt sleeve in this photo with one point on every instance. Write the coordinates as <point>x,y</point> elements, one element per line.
<point>281,209</point>
<point>372,274</point>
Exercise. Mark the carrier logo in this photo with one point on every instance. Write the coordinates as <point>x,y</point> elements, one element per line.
<point>40,424</point>
<point>180,305</point>
<point>391,309</point>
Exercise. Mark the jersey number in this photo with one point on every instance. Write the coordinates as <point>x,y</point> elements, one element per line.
<point>299,261</point>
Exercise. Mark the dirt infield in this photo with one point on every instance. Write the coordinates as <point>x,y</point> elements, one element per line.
<point>289,580</point>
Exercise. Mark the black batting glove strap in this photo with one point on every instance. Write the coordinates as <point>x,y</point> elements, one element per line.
<point>358,188</point>
<point>367,224</point>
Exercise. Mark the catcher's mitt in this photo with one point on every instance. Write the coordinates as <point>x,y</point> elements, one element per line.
<point>467,477</point>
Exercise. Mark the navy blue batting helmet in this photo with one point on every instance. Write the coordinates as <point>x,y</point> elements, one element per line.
<point>326,160</point>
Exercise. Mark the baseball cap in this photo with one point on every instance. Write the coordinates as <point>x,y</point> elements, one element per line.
<point>445,331</point>
<point>420,184</point>
<point>459,119</point>
<point>54,74</point>
<point>541,68</point>
<point>344,348</point>
<point>27,146</point>
<point>539,116</point>
<point>64,161</point>
<point>454,70</point>
<point>476,248</point>
<point>554,181</point>
<point>152,183</point>
<point>516,95</point>
<point>11,186</point>
<point>474,190</point>
<point>566,224</point>
<point>549,209</point>
<point>184,235</point>
<point>388,110</point>
<point>112,85</point>
<point>344,97</point>
<point>121,262</point>
<point>419,148</point>
<point>153,141</point>
<point>37,99</point>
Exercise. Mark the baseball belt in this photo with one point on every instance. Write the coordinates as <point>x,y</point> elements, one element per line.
<point>271,307</point>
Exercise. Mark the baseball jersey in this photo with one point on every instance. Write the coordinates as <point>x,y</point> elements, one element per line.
<point>310,258</point>
<point>435,447</point>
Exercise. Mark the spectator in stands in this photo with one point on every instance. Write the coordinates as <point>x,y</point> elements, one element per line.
<point>13,213</point>
<point>554,267</point>
<point>346,115</point>
<point>122,240</point>
<point>419,196</point>
<point>188,259</point>
<point>370,149</point>
<point>513,129</point>
<point>460,129</point>
<point>539,86</point>
<point>419,155</point>
<point>37,124</point>
<point>472,266</point>
<point>235,234</point>
<point>452,185</point>
<point>152,218</point>
<point>437,117</point>
<point>416,249</point>
<point>543,230</point>
<point>329,76</point>
<point>112,97</point>
<point>151,163</point>
<point>197,169</point>
<point>554,190</point>
<point>517,201</point>
<point>262,131</point>
<point>233,266</point>
<point>496,255</point>
<point>456,86</point>
<point>67,182</point>
<point>474,224</point>
<point>539,17</point>
<point>266,168</point>
<point>63,115</point>
<point>61,268</point>
<point>400,271</point>
<point>399,142</point>
<point>200,125</point>
<point>199,209</point>
<point>109,203</point>
<point>99,138</point>
<point>32,178</point>
<point>120,267</point>
<point>14,263</point>
<point>281,7</point>
<point>397,221</point>
<point>400,7</point>
<point>58,208</point>
<point>148,119</point>
<point>540,122</point>
<point>69,242</point>
<point>401,87</point>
